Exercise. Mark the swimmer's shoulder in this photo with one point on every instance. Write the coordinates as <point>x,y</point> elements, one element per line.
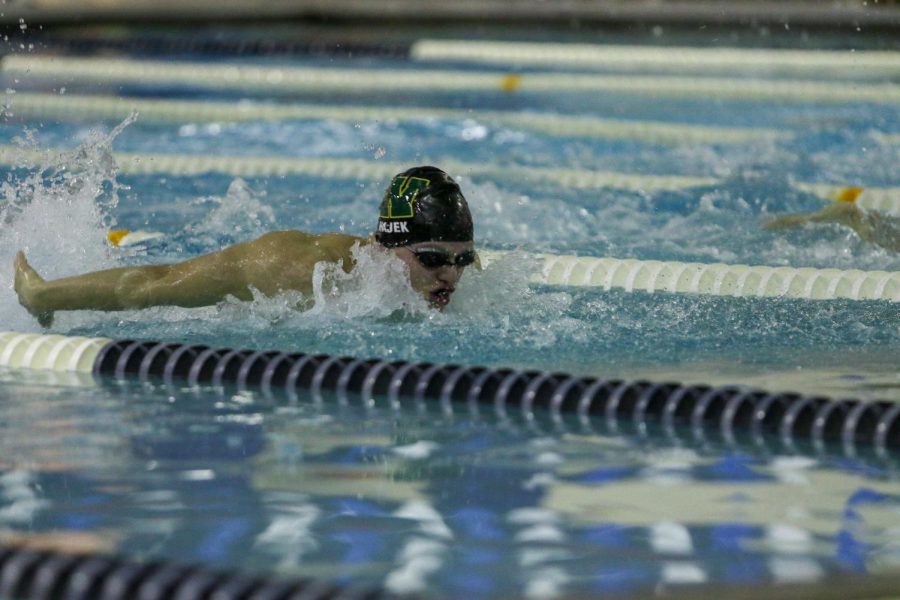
<point>323,245</point>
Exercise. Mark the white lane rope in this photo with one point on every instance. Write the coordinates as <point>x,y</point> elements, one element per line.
<point>49,352</point>
<point>71,106</point>
<point>715,279</point>
<point>309,79</point>
<point>258,166</point>
<point>882,199</point>
<point>666,58</point>
<point>887,138</point>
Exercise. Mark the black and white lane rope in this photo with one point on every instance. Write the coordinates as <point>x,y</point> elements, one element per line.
<point>732,411</point>
<point>30,574</point>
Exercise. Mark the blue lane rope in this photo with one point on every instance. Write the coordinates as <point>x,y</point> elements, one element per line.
<point>735,411</point>
<point>27,574</point>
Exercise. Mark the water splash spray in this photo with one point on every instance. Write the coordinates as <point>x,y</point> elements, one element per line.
<point>58,211</point>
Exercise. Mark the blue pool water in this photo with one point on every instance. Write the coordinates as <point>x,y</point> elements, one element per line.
<point>413,499</point>
<point>420,501</point>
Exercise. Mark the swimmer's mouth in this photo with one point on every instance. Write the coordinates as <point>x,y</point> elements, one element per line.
<point>441,297</point>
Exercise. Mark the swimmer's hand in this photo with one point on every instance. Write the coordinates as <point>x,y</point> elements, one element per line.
<point>27,284</point>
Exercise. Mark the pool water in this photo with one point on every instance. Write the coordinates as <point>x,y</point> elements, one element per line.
<point>416,500</point>
<point>413,499</point>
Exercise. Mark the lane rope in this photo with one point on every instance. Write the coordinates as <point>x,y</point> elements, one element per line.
<point>882,199</point>
<point>50,352</point>
<point>734,412</point>
<point>872,63</point>
<point>716,279</point>
<point>309,79</point>
<point>887,138</point>
<point>340,168</point>
<point>32,574</point>
<point>70,106</point>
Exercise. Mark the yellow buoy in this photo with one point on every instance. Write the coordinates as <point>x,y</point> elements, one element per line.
<point>115,236</point>
<point>511,83</point>
<point>849,194</point>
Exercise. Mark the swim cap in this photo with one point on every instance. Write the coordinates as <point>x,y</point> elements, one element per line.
<point>423,204</point>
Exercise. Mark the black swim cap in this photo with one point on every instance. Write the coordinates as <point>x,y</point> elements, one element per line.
<point>423,204</point>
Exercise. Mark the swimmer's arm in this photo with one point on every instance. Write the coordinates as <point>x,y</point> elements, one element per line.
<point>275,262</point>
<point>839,212</point>
<point>872,226</point>
<point>199,281</point>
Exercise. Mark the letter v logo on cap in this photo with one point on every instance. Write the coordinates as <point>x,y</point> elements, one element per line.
<point>399,199</point>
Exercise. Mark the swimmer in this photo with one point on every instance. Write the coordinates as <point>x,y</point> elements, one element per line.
<point>424,221</point>
<point>871,226</point>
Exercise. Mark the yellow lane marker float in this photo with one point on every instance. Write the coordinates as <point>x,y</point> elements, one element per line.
<point>511,83</point>
<point>116,235</point>
<point>849,195</point>
<point>124,237</point>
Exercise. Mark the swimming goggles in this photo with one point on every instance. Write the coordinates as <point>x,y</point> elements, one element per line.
<point>435,259</point>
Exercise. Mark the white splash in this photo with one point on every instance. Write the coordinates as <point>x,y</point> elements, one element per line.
<point>377,286</point>
<point>58,213</point>
<point>239,215</point>
<point>501,287</point>
<point>419,450</point>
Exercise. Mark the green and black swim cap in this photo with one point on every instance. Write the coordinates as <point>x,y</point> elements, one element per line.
<point>423,204</point>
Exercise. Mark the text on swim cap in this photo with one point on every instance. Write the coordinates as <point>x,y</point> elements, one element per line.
<point>396,227</point>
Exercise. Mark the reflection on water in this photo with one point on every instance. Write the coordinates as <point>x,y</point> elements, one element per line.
<point>418,500</point>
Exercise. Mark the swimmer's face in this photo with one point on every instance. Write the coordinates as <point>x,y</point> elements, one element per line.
<point>436,267</point>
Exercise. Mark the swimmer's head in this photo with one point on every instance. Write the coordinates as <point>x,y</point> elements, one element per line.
<point>423,204</point>
<point>425,220</point>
